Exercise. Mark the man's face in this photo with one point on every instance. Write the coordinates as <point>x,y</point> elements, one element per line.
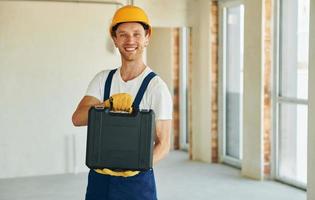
<point>131,39</point>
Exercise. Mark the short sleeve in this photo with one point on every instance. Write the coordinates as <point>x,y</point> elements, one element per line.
<point>95,87</point>
<point>161,102</point>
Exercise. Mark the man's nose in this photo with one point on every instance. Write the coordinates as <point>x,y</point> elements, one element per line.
<point>130,39</point>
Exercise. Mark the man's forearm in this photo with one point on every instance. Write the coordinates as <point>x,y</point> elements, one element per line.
<point>160,151</point>
<point>162,140</point>
<point>80,116</point>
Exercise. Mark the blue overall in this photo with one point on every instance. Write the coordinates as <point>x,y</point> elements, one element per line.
<point>138,187</point>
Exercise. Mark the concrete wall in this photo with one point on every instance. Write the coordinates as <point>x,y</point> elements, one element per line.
<point>199,12</point>
<point>195,14</point>
<point>47,58</point>
<point>166,13</point>
<point>160,58</point>
<point>48,54</point>
<point>252,164</point>
<point>159,54</point>
<point>311,109</point>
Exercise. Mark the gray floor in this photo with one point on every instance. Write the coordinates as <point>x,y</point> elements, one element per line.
<point>177,179</point>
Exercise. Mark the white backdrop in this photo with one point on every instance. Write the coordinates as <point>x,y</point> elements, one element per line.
<point>48,54</point>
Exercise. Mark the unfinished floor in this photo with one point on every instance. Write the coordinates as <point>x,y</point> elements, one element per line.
<point>177,179</point>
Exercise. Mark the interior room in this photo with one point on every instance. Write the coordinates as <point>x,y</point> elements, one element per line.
<point>240,73</point>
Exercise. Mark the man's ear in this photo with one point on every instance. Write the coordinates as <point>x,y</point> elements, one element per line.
<point>148,32</point>
<point>114,40</point>
<point>147,38</point>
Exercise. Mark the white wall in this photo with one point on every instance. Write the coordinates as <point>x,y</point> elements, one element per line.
<point>311,109</point>
<point>252,163</point>
<point>48,54</point>
<point>165,13</point>
<point>199,20</point>
<point>160,57</point>
<point>194,14</point>
<point>160,54</point>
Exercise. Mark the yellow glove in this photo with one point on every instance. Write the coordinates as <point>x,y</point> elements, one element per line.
<point>119,102</point>
<point>127,173</point>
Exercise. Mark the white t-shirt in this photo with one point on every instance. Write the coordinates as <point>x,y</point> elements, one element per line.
<point>156,97</point>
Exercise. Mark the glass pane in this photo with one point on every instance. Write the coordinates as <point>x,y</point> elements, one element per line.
<point>293,142</point>
<point>234,80</point>
<point>294,48</point>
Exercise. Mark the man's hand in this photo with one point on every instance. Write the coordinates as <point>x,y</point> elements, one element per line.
<point>119,102</point>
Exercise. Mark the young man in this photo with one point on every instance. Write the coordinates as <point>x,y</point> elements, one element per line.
<point>130,31</point>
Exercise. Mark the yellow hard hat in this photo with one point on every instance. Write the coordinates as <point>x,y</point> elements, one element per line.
<point>129,13</point>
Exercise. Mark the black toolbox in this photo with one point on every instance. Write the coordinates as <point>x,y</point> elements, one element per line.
<point>120,141</point>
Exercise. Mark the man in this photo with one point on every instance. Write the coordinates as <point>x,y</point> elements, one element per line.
<point>130,31</point>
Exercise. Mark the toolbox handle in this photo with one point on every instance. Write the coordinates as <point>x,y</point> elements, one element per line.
<point>101,107</point>
<point>122,113</point>
<point>134,112</point>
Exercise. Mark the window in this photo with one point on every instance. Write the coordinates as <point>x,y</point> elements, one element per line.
<point>231,112</point>
<point>184,86</point>
<point>291,101</point>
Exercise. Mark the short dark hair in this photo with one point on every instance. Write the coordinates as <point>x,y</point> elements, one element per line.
<point>114,28</point>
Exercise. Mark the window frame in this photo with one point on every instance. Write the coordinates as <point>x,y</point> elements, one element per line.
<point>223,157</point>
<point>184,123</point>
<point>277,100</point>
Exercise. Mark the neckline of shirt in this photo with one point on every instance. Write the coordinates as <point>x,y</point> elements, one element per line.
<point>145,71</point>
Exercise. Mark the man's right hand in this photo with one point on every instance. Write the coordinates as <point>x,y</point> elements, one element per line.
<point>119,102</point>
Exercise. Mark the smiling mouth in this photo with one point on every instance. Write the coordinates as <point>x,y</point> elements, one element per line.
<point>130,49</point>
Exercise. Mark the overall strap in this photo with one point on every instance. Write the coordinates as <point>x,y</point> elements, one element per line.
<point>142,89</point>
<point>108,84</point>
